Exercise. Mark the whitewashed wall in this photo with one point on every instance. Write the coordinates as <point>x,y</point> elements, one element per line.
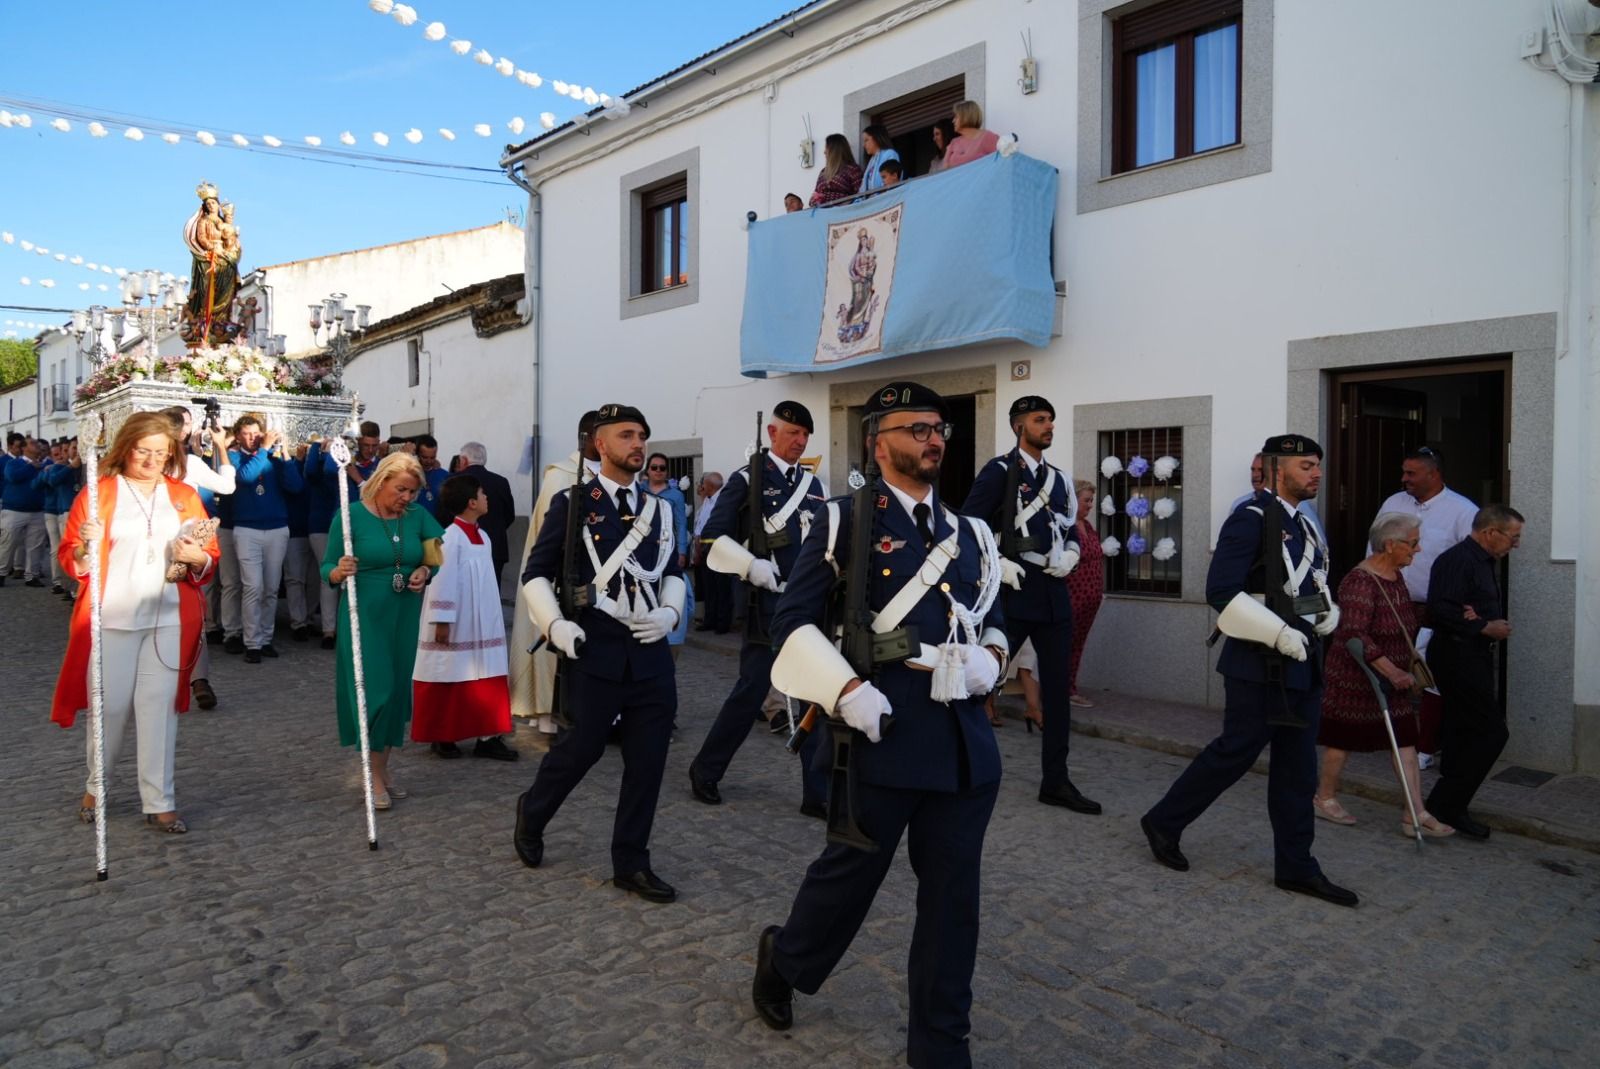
<point>19,410</point>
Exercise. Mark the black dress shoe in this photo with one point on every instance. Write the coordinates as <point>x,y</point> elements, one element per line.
<point>214,637</point>
<point>35,581</point>
<point>448,750</point>
<point>1475,830</point>
<point>269,650</point>
<point>233,644</point>
<point>495,749</point>
<point>252,656</point>
<point>814,809</point>
<point>1069,797</point>
<point>1319,886</point>
<point>703,790</point>
<point>329,642</point>
<point>300,634</point>
<point>647,885</point>
<point>1165,849</point>
<point>771,993</point>
<point>530,847</point>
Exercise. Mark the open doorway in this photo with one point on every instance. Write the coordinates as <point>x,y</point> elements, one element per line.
<point>910,119</point>
<point>960,463</point>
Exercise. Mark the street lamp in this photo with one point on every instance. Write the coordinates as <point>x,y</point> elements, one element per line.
<point>87,327</point>
<point>163,292</point>
<point>332,324</point>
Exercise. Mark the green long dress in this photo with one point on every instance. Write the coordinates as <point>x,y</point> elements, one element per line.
<point>389,621</point>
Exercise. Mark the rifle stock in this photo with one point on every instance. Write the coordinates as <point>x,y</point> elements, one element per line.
<point>574,597</point>
<point>1012,543</point>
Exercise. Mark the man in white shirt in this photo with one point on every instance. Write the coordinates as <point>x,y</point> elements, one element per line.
<point>712,589</point>
<point>1445,515</point>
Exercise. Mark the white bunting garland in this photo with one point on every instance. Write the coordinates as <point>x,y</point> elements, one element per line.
<point>9,238</point>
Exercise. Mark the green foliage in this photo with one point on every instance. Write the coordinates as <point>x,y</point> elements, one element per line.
<point>17,361</point>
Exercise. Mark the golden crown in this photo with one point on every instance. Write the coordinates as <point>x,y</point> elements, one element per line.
<point>205,191</point>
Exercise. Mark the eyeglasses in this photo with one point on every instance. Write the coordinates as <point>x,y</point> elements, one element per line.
<point>923,431</point>
<point>149,454</point>
<point>1516,539</point>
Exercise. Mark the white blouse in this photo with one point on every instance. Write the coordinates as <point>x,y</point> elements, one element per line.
<point>137,594</point>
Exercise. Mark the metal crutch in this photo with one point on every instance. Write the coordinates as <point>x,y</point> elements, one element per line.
<point>1359,652</point>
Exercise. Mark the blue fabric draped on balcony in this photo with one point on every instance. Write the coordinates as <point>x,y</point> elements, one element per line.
<point>949,259</point>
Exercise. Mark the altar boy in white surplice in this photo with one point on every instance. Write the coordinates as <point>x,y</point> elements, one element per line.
<point>459,688</point>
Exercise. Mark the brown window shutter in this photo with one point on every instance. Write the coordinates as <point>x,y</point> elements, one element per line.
<point>919,113</point>
<point>1140,28</point>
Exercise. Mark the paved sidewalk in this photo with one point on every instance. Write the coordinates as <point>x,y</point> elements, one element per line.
<point>270,936</point>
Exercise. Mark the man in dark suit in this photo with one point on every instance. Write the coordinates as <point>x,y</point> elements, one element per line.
<point>790,496</point>
<point>933,778</point>
<point>623,672</point>
<point>502,506</point>
<point>1037,605</point>
<point>1268,582</point>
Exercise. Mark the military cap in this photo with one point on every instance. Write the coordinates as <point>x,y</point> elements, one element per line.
<point>905,397</point>
<point>796,413</point>
<point>1031,403</point>
<point>606,415</point>
<point>1291,445</point>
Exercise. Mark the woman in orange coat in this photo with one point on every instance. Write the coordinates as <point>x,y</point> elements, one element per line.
<point>150,627</point>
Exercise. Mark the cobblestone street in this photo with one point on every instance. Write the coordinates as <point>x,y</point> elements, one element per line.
<point>271,936</point>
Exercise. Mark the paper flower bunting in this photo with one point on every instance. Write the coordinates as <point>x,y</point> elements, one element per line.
<point>268,139</point>
<point>448,135</point>
<point>1110,546</point>
<point>434,31</point>
<point>1165,549</point>
<point>1110,467</point>
<point>516,125</point>
<point>61,124</point>
<point>1164,508</point>
<point>547,120</point>
<point>241,140</point>
<point>381,139</point>
<point>404,14</point>
<point>205,137</point>
<point>461,48</point>
<point>314,141</point>
<point>1138,467</point>
<point>23,119</point>
<point>96,130</point>
<point>413,135</point>
<point>482,129</point>
<point>1136,545</point>
<point>172,139</point>
<point>1164,467</point>
<point>559,86</point>
<point>347,138</point>
<point>505,67</point>
<point>1108,506</point>
<point>1138,507</point>
<point>1008,145</point>
<point>133,133</point>
<point>484,56</point>
<point>382,7</point>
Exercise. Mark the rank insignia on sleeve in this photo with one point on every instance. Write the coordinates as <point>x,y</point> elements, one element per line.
<point>889,545</point>
<point>597,493</point>
<point>883,501</point>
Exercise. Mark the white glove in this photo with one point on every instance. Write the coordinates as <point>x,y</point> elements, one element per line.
<point>1291,643</point>
<point>763,574</point>
<point>1011,573</point>
<point>1069,559</point>
<point>982,669</point>
<point>1328,622</point>
<point>566,636</point>
<point>864,709</point>
<point>654,625</point>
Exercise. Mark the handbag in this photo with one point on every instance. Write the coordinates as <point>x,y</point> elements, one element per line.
<point>1419,667</point>
<point>433,552</point>
<point>200,532</point>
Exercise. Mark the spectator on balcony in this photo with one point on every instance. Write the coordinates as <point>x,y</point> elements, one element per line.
<point>792,203</point>
<point>840,177</point>
<point>890,173</point>
<point>876,149</point>
<point>944,132</point>
<point>972,141</point>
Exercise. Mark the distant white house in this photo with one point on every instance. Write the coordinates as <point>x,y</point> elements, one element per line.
<point>19,408</point>
<point>1367,221</point>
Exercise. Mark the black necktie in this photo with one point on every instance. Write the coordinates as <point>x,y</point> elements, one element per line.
<point>624,504</point>
<point>794,476</point>
<point>924,527</point>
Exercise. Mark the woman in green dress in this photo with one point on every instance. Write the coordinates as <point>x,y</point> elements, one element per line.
<point>388,535</point>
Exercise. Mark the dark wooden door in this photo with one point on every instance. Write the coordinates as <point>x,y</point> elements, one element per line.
<point>1378,425</point>
<point>960,458</point>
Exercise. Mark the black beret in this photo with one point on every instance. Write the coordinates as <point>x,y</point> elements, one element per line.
<point>1291,445</point>
<point>1031,403</point>
<point>609,414</point>
<point>796,413</point>
<point>905,397</point>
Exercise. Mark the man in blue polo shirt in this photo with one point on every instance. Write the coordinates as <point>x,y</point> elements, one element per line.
<point>22,533</point>
<point>260,528</point>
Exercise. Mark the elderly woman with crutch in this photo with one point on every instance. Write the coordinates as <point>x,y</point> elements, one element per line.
<point>153,553</point>
<point>1375,609</point>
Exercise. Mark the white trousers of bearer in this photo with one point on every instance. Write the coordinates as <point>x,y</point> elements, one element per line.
<point>53,522</point>
<point>301,575</point>
<point>24,542</point>
<point>228,584</point>
<point>329,594</point>
<point>135,680</point>
<point>261,555</point>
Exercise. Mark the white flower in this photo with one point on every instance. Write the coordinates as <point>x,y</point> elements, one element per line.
<point>434,31</point>
<point>234,365</point>
<point>205,137</point>
<point>47,283</point>
<point>313,140</point>
<point>413,135</point>
<point>1164,508</point>
<point>347,138</point>
<point>505,66</point>
<point>404,14</point>
<point>61,124</point>
<point>76,260</point>
<point>215,376</point>
<point>484,56</point>
<point>23,120</point>
<point>137,376</point>
<point>516,125</point>
<point>559,86</point>
<point>1110,546</point>
<point>172,139</point>
<point>1008,145</point>
<point>547,120</point>
<point>8,237</point>
<point>382,7</point>
<point>1164,467</point>
<point>1165,549</point>
<point>241,140</point>
<point>448,135</point>
<point>1110,467</point>
<point>1108,506</point>
<point>96,130</point>
<point>482,129</point>
<point>461,48</point>
<point>25,280</point>
<point>381,139</point>
<point>133,133</point>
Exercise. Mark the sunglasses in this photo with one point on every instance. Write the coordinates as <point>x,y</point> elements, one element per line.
<point>921,432</point>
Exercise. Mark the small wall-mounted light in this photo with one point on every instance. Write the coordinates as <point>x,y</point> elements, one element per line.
<point>808,147</point>
<point>1030,66</point>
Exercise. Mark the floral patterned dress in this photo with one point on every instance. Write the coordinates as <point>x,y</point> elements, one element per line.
<point>1351,717</point>
<point>1086,585</point>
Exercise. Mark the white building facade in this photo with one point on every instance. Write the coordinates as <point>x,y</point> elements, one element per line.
<point>1393,244</point>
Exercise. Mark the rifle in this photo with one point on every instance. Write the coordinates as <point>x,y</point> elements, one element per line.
<point>574,596</point>
<point>863,649</point>
<point>1012,543</point>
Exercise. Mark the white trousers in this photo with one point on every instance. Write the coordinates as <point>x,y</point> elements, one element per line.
<point>53,523</point>
<point>135,681</point>
<point>328,594</point>
<point>261,555</point>
<point>301,576</point>
<point>227,583</point>
<point>24,542</point>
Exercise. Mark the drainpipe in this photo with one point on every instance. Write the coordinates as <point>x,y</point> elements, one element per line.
<point>533,287</point>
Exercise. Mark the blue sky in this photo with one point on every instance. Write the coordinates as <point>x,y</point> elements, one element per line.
<point>291,68</point>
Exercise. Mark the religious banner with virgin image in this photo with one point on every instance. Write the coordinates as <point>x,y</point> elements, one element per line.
<point>860,280</point>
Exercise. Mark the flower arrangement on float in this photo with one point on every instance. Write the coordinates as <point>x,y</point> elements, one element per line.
<point>236,367</point>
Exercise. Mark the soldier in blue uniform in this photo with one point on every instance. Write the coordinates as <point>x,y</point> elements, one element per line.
<point>934,775</point>
<point>1037,605</point>
<point>622,668</point>
<point>1268,580</point>
<point>790,496</point>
